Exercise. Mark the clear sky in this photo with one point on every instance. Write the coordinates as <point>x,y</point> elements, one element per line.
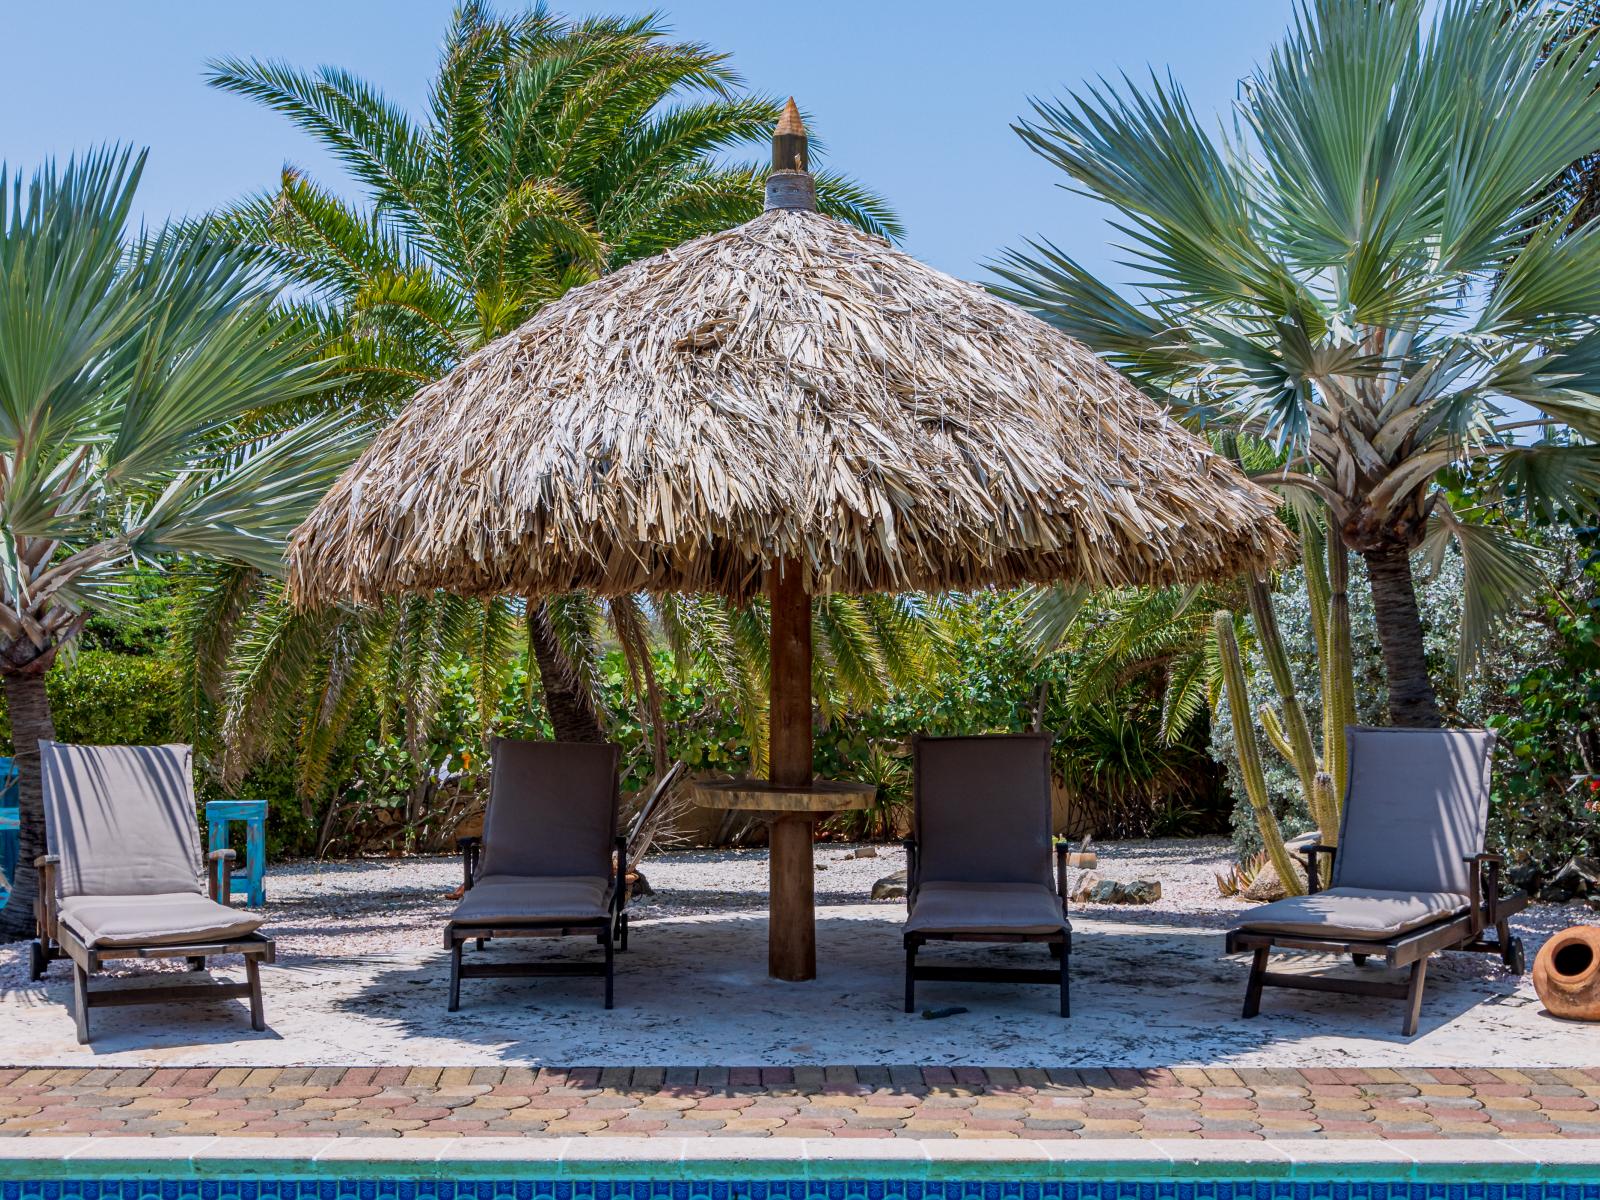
<point>914,97</point>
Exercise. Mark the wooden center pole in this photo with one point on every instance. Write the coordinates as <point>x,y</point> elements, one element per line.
<point>792,928</point>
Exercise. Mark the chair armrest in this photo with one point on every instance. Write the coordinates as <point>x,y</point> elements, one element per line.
<point>471,849</point>
<point>1483,888</point>
<point>1062,850</point>
<point>1313,879</point>
<point>219,880</point>
<point>910,844</point>
<point>619,873</point>
<point>44,901</point>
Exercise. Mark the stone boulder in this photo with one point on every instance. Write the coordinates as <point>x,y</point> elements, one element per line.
<point>1267,887</point>
<point>1095,889</point>
<point>890,887</point>
<point>1580,877</point>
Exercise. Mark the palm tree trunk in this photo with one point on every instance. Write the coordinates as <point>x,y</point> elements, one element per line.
<point>573,715</point>
<point>1394,607</point>
<point>29,708</point>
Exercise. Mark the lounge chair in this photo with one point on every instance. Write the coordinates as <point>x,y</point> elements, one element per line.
<point>549,862</point>
<point>123,877</point>
<point>1410,874</point>
<point>978,866</point>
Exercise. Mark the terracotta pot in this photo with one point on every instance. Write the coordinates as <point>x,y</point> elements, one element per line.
<point>1567,973</point>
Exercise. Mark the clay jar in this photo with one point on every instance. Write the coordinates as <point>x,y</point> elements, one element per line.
<point>1567,973</point>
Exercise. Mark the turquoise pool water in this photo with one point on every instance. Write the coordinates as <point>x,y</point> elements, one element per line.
<point>148,1188</point>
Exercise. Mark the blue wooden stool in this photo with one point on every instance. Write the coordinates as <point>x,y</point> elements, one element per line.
<point>250,876</point>
<point>10,824</point>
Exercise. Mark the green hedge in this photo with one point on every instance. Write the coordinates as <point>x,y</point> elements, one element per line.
<point>104,698</point>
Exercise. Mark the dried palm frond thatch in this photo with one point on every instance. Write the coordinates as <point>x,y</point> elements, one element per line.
<point>789,390</point>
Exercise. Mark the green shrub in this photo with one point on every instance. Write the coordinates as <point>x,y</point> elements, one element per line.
<point>103,698</point>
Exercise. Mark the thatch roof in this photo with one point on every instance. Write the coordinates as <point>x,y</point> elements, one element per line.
<point>789,389</point>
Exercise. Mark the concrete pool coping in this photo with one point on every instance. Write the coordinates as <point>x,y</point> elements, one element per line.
<point>593,1158</point>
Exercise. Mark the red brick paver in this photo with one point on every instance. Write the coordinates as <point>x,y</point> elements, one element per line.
<point>869,1102</point>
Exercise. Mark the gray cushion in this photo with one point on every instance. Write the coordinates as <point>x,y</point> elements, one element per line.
<point>1355,914</point>
<point>552,809</point>
<point>981,809</point>
<point>1415,809</point>
<point>985,908</point>
<point>121,819</point>
<point>512,898</point>
<point>177,918</point>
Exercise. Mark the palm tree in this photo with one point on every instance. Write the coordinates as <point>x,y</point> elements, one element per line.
<point>1350,275</point>
<point>143,387</point>
<point>551,152</point>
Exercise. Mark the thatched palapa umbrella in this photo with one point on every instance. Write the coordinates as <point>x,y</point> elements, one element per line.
<point>790,406</point>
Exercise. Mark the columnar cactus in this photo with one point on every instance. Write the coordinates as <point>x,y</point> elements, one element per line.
<point>1292,734</point>
<point>1322,777</point>
<point>1255,784</point>
<point>1339,683</point>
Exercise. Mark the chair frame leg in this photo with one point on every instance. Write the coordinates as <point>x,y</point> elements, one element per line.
<point>1258,975</point>
<point>911,975</point>
<point>1419,976</point>
<point>610,971</point>
<point>80,1002</point>
<point>252,975</point>
<point>455,977</point>
<point>1066,998</point>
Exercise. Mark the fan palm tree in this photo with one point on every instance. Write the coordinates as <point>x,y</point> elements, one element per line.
<point>143,384</point>
<point>551,152</point>
<point>1349,274</point>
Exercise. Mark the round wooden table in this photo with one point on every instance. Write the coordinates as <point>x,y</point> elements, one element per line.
<point>791,813</point>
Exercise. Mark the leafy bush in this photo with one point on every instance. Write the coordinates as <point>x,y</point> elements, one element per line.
<point>1544,807</point>
<point>106,698</point>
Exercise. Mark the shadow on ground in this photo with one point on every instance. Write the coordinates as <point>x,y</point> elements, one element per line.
<point>1148,989</point>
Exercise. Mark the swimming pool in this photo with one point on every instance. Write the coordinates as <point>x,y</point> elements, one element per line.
<point>780,1189</point>
<point>747,1169</point>
<point>155,1188</point>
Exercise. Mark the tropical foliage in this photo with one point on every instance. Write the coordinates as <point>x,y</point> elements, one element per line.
<point>148,397</point>
<point>1371,272</point>
<point>551,151</point>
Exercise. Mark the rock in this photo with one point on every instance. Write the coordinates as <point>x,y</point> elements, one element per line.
<point>638,885</point>
<point>890,887</point>
<point>1580,877</point>
<point>1138,891</point>
<point>1093,889</point>
<point>866,852</point>
<point>1266,886</point>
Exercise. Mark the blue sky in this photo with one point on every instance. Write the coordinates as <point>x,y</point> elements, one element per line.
<point>914,98</point>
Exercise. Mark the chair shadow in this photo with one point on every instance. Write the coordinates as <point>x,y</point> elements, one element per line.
<point>694,990</point>
<point>191,1023</point>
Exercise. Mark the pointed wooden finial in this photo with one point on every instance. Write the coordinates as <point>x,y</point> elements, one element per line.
<point>790,121</point>
<point>790,185</point>
<point>789,141</point>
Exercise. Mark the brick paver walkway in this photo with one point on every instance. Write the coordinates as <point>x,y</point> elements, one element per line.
<point>806,1102</point>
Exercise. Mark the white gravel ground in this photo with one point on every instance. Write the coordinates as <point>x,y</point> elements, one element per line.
<point>361,977</point>
<point>393,905</point>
